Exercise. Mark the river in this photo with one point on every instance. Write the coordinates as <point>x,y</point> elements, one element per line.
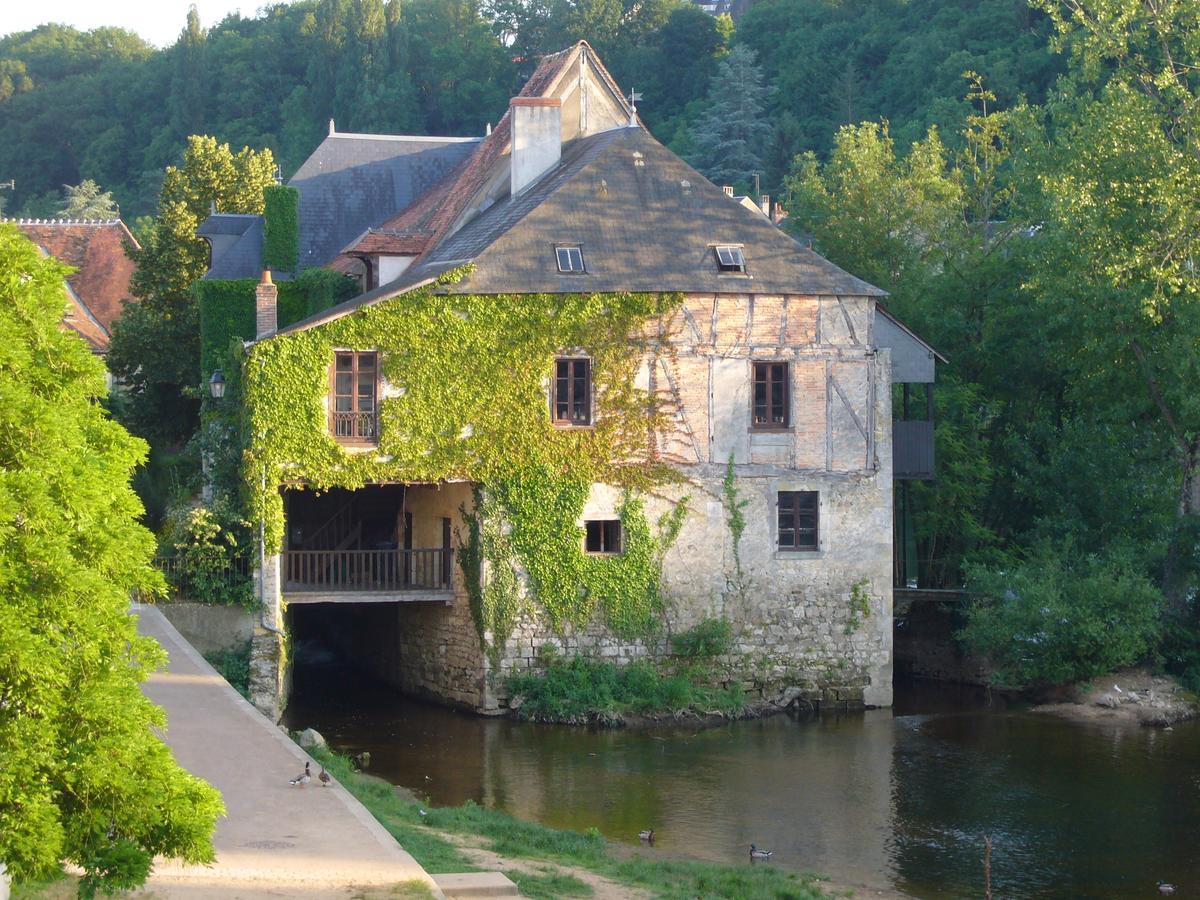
<point>898,799</point>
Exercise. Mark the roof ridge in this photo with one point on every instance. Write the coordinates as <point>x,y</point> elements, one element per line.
<point>363,135</point>
<point>59,221</point>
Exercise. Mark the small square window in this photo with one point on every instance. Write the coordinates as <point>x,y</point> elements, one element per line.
<point>570,259</point>
<point>603,536</point>
<point>798,514</point>
<point>730,259</point>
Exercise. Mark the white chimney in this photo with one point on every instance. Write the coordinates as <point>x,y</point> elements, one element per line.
<point>536,139</point>
<point>766,205</point>
<point>265,318</point>
<point>728,189</point>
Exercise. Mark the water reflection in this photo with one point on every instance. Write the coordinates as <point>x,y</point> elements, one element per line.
<point>899,799</point>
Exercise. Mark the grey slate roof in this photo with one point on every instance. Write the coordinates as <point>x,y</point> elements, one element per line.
<point>237,243</point>
<point>352,182</point>
<point>646,221</point>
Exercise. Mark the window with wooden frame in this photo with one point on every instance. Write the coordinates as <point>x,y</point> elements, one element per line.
<point>571,403</point>
<point>602,536</point>
<point>771,396</point>
<point>354,407</point>
<point>799,512</point>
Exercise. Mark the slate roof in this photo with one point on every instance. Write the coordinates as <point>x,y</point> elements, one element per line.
<point>237,245</point>
<point>100,284</point>
<point>352,182</point>
<point>645,220</point>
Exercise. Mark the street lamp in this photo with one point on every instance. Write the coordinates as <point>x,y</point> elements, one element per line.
<point>216,385</point>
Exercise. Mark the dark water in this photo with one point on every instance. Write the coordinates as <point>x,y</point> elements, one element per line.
<point>899,798</point>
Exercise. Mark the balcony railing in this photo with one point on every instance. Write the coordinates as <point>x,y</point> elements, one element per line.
<point>355,427</point>
<point>337,571</point>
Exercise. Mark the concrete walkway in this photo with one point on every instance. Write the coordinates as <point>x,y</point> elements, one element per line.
<point>276,840</point>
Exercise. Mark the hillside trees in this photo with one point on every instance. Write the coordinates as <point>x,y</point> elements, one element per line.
<point>729,137</point>
<point>155,346</point>
<point>84,780</point>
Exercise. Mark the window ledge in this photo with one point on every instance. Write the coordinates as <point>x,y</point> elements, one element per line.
<point>772,429</point>
<point>568,426</point>
<point>799,554</point>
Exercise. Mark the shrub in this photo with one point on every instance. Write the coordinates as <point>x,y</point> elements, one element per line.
<point>712,637</point>
<point>233,664</point>
<point>583,691</point>
<point>207,546</point>
<point>1052,620</point>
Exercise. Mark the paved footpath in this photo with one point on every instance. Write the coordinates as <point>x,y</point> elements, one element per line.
<point>276,840</point>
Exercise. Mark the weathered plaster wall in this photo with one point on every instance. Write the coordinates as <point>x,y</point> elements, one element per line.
<point>209,628</point>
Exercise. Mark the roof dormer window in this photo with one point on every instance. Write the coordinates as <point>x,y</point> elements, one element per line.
<point>730,259</point>
<point>570,258</point>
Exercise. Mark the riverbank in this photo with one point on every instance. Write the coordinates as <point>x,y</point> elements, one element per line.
<point>1130,697</point>
<point>551,862</point>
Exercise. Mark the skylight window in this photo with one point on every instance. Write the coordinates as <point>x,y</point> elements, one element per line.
<point>730,259</point>
<point>570,259</point>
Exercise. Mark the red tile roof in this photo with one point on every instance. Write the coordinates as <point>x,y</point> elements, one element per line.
<point>434,214</point>
<point>95,248</point>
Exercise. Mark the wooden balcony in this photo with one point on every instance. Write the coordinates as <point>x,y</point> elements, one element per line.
<point>368,576</point>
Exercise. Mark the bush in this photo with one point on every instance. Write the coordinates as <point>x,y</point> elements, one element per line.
<point>583,691</point>
<point>712,637</point>
<point>207,547</point>
<point>1051,620</point>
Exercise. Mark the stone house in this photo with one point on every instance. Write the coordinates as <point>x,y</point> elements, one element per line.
<point>721,398</point>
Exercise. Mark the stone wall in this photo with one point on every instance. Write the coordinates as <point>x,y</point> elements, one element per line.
<point>210,628</point>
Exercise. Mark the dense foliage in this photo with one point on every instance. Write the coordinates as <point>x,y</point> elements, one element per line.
<point>155,346</point>
<point>84,778</point>
<point>1058,618</point>
<point>106,106</point>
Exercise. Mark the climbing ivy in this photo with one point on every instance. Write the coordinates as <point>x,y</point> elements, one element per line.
<point>735,519</point>
<point>281,228</point>
<point>469,376</point>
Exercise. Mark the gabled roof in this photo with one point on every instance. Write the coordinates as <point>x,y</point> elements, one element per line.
<point>352,182</point>
<point>100,284</point>
<point>645,220</point>
<point>436,214</point>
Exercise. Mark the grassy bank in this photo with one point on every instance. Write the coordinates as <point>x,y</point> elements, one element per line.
<point>234,666</point>
<point>429,839</point>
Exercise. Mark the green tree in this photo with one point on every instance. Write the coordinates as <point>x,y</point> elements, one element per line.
<point>733,131</point>
<point>155,346</point>
<point>1120,192</point>
<point>84,780</point>
<point>87,201</point>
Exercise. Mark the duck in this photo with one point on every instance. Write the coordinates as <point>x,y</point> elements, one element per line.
<point>759,853</point>
<point>1166,889</point>
<point>647,835</point>
<point>303,778</point>
<point>324,777</point>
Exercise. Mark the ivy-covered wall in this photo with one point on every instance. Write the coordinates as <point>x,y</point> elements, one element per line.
<point>465,399</point>
<point>281,228</point>
<point>227,308</point>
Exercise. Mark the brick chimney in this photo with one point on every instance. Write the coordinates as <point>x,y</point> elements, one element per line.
<point>536,139</point>
<point>264,307</point>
